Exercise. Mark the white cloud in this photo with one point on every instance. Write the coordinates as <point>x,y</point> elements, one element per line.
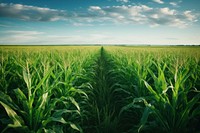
<point>143,14</point>
<point>124,1</point>
<point>96,9</point>
<point>159,1</point>
<point>190,16</point>
<point>155,16</point>
<point>173,3</point>
<point>124,14</point>
<point>31,13</point>
<point>93,8</point>
<point>167,11</point>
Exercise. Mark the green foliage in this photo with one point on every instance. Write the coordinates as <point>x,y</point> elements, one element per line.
<point>162,94</point>
<point>48,100</point>
<point>99,90</point>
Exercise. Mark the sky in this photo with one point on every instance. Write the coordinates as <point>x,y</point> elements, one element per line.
<point>160,22</point>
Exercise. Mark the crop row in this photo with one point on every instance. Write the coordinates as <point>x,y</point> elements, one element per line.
<point>40,90</point>
<point>159,89</point>
<point>99,90</point>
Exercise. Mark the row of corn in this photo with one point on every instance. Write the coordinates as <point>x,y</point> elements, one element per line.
<point>99,90</point>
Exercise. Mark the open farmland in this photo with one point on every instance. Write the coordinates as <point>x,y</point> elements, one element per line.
<point>94,89</point>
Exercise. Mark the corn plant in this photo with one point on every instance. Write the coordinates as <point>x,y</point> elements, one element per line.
<point>165,104</point>
<point>93,89</point>
<point>100,105</point>
<point>48,100</point>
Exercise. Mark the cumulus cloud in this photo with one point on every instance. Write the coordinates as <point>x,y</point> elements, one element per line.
<point>190,16</point>
<point>142,14</point>
<point>96,9</point>
<point>167,11</point>
<point>30,13</point>
<point>159,1</point>
<point>124,14</point>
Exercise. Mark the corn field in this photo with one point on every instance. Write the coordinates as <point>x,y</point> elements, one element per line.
<point>93,89</point>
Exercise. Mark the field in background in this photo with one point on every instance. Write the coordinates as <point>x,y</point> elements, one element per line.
<point>99,89</point>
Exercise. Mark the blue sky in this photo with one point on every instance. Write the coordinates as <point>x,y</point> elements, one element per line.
<point>100,22</point>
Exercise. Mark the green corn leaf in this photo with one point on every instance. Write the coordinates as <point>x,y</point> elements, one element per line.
<point>151,90</point>
<point>23,99</point>
<point>152,75</point>
<point>74,102</point>
<point>134,105</point>
<point>17,120</point>
<point>144,118</point>
<point>27,77</point>
<point>44,100</point>
<point>20,95</point>
<point>43,80</point>
<point>6,99</point>
<point>54,129</point>
<point>59,113</point>
<point>54,119</point>
<point>57,116</point>
<point>75,127</point>
<point>79,91</point>
<point>129,106</point>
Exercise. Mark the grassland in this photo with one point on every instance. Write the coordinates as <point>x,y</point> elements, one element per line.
<point>99,89</point>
